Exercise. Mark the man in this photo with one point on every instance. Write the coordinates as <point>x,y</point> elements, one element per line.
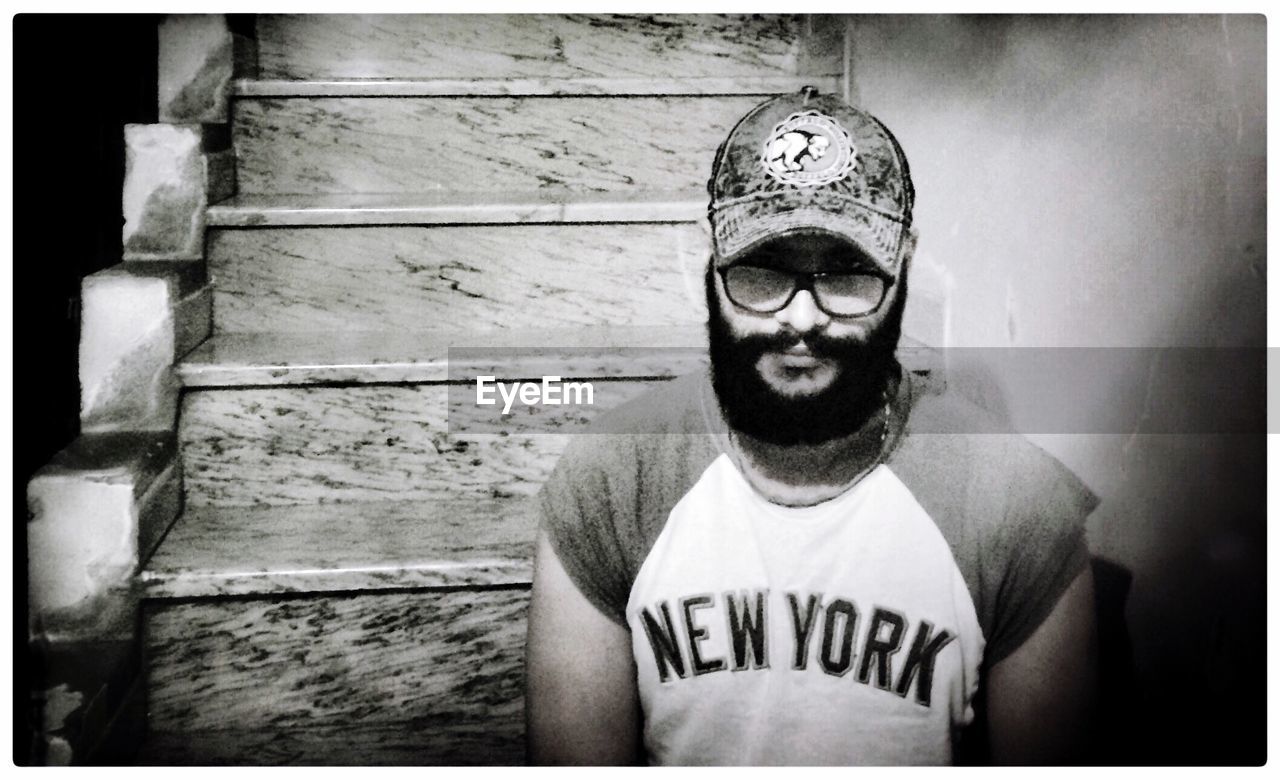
<point>777,563</point>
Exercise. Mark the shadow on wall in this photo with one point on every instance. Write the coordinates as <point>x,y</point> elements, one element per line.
<point>1100,182</point>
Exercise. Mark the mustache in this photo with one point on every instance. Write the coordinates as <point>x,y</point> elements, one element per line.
<point>818,344</point>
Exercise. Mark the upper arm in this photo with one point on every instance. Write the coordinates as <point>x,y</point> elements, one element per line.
<point>581,703</point>
<point>1040,697</point>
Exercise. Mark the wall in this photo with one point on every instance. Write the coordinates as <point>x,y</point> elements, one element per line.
<point>1100,182</point>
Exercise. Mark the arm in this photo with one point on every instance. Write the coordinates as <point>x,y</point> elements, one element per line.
<point>581,704</point>
<point>1040,698</point>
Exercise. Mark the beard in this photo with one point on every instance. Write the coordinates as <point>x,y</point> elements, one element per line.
<point>752,407</point>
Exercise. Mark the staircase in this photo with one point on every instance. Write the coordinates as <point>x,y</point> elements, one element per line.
<point>347,582</point>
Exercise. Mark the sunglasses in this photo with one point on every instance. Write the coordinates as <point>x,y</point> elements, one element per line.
<point>770,290</point>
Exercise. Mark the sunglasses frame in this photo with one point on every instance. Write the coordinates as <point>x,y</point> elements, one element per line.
<point>802,280</point>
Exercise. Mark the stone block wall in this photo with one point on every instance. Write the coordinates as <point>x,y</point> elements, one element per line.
<point>100,507</point>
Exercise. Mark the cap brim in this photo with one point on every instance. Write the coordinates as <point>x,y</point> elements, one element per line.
<point>741,228</point>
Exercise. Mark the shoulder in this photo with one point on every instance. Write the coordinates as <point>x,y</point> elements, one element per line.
<point>671,407</point>
<point>609,495</point>
<point>1012,514</point>
<point>656,428</point>
<point>960,457</point>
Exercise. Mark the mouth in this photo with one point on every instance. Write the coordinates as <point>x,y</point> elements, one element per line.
<point>797,369</point>
<point>798,363</point>
<point>798,358</point>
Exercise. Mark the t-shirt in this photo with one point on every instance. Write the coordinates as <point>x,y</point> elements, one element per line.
<point>852,631</point>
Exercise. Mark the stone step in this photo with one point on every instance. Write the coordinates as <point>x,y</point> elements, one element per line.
<point>513,274</point>
<point>528,87</point>
<point>275,419</point>
<point>342,444</point>
<point>496,741</point>
<point>418,676</point>
<point>400,623</point>
<point>385,667</point>
<point>254,551</point>
<point>496,46</point>
<point>491,144</point>
<point>457,208</point>
<point>406,357</point>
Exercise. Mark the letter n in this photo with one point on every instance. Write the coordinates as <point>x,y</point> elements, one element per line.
<point>662,638</point>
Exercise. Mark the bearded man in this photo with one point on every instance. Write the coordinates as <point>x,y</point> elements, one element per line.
<point>776,562</point>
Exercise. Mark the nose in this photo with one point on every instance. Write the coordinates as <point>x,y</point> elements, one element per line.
<point>802,313</point>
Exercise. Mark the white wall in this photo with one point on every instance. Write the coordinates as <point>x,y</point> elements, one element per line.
<point>1100,182</point>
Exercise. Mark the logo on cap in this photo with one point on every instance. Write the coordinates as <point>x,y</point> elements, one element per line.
<point>808,149</point>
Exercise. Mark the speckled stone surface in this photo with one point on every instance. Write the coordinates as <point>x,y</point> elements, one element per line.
<point>448,657</point>
<point>164,192</point>
<point>127,346</point>
<point>195,68</point>
<point>344,547</point>
<point>330,357</point>
<point>189,293</point>
<point>371,145</point>
<point>302,445</point>
<point>458,208</point>
<point>491,742</point>
<point>309,445</point>
<point>562,46</point>
<point>456,278</point>
<point>94,510</point>
<point>508,87</point>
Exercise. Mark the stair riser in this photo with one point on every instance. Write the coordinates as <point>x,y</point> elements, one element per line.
<point>306,445</point>
<point>454,278</point>
<point>428,662</point>
<point>464,743</point>
<point>506,46</point>
<point>372,145</point>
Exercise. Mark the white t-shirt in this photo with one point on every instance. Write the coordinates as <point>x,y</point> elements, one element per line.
<point>853,631</point>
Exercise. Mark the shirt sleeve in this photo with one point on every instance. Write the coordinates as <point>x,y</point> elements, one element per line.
<point>580,508</point>
<point>1039,545</point>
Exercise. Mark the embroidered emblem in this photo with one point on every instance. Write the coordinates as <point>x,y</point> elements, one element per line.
<point>809,149</point>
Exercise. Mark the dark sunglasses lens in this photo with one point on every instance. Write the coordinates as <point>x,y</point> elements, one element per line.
<point>758,289</point>
<point>849,295</point>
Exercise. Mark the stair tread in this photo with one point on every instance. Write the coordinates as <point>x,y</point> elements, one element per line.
<point>246,550</point>
<point>495,740</point>
<point>590,86</point>
<point>435,208</point>
<point>252,359</point>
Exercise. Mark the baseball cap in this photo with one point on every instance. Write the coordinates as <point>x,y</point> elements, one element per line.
<point>806,162</point>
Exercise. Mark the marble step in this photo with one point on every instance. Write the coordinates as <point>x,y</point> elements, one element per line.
<point>259,360</point>
<point>499,46</point>
<point>342,444</point>
<point>256,551</point>
<point>605,263</point>
<point>457,208</point>
<point>337,417</point>
<point>395,676</point>
<point>400,623</point>
<point>488,742</point>
<point>527,87</point>
<point>492,144</point>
